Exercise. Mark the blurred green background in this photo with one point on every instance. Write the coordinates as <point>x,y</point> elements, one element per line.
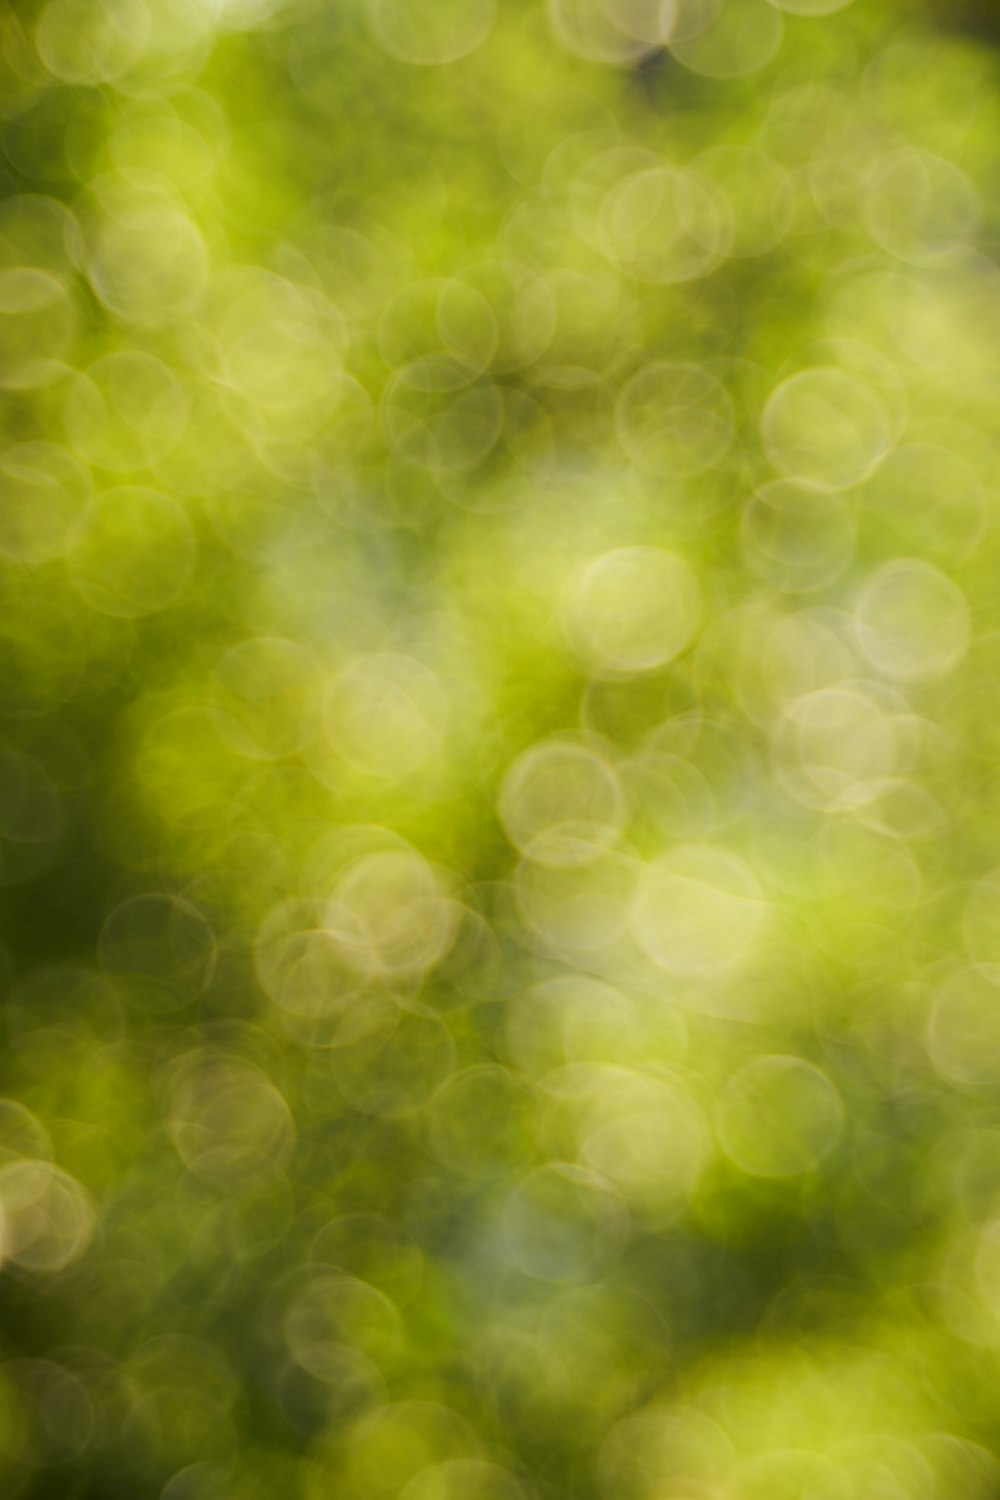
<point>499,808</point>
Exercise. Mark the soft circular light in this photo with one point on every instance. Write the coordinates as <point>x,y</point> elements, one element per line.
<point>633,610</point>
<point>562,804</point>
<point>779,1117</point>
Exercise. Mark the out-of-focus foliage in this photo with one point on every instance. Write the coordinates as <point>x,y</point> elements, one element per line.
<point>499,793</point>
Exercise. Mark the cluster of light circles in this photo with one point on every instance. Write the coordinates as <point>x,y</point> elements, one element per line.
<point>498,791</point>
